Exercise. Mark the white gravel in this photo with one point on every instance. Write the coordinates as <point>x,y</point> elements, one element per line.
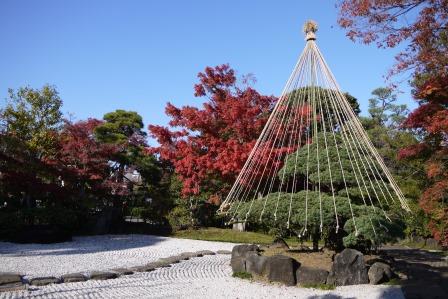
<point>95,253</point>
<point>204,277</point>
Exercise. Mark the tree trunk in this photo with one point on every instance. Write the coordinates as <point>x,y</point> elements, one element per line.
<point>315,238</point>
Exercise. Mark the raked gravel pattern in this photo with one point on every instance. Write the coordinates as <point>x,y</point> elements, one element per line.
<point>96,253</point>
<point>202,277</point>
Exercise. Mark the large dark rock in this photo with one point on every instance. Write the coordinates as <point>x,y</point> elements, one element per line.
<point>280,268</point>
<point>306,275</point>
<point>240,250</point>
<point>256,264</point>
<point>43,281</point>
<point>239,255</point>
<point>348,269</point>
<point>73,277</point>
<point>11,282</point>
<point>379,273</point>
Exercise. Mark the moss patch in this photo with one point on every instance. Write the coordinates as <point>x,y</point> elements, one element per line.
<point>242,275</point>
<point>320,286</point>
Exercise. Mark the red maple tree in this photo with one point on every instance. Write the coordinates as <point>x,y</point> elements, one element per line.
<point>423,25</point>
<point>84,163</point>
<point>208,146</point>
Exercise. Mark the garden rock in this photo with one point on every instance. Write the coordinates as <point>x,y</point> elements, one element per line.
<point>123,271</point>
<point>239,255</point>
<point>43,281</point>
<point>280,268</point>
<point>238,263</point>
<point>306,275</point>
<point>206,252</point>
<point>150,267</point>
<point>6,278</point>
<point>172,259</point>
<point>102,275</point>
<point>240,250</point>
<point>256,264</point>
<point>10,282</point>
<point>189,255</point>
<point>224,252</point>
<point>348,269</point>
<point>379,273</point>
<point>73,277</point>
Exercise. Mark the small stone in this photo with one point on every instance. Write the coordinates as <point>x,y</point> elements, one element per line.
<point>43,281</point>
<point>123,271</point>
<point>73,277</point>
<point>171,259</point>
<point>380,273</point>
<point>148,267</point>
<point>103,275</point>
<point>7,278</point>
<point>206,252</point>
<point>224,252</point>
<point>13,286</point>
<point>306,275</point>
<point>280,268</point>
<point>190,254</point>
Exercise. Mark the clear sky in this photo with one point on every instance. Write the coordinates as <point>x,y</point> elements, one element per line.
<point>138,55</point>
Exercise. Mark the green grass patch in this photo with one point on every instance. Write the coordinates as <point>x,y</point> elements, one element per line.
<point>224,235</point>
<point>230,235</point>
<point>242,275</point>
<point>320,286</point>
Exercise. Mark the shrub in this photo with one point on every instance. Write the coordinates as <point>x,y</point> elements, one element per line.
<point>179,218</point>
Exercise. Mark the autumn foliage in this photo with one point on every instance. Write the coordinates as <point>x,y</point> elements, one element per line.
<point>423,25</point>
<point>84,162</point>
<point>208,146</point>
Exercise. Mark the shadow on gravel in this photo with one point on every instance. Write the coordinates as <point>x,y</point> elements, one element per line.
<point>329,296</point>
<point>426,272</point>
<point>80,245</point>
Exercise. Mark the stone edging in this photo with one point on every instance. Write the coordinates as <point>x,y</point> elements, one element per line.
<point>15,281</point>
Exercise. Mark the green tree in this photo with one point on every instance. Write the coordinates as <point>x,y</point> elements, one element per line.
<point>119,127</point>
<point>34,117</point>
<point>384,129</point>
<point>125,130</point>
<point>382,109</point>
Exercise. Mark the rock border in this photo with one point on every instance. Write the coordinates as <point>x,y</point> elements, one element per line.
<point>349,268</point>
<point>14,281</point>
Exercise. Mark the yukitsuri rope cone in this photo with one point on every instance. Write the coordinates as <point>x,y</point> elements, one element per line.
<point>313,155</point>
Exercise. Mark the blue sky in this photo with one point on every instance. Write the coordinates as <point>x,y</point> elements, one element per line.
<point>138,55</point>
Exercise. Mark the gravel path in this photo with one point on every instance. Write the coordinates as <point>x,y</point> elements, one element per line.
<point>204,277</point>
